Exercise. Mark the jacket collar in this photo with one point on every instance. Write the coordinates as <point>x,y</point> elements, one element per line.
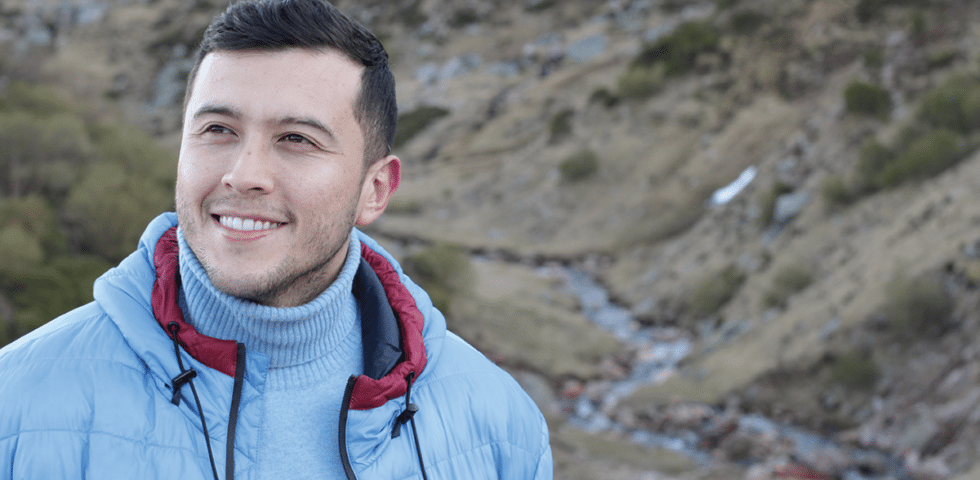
<point>390,320</point>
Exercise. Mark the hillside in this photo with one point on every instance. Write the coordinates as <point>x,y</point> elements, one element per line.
<point>833,290</point>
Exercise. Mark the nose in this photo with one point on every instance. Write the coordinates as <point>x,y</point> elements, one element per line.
<point>251,171</point>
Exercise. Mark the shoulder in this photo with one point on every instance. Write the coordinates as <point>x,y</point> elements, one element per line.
<point>86,332</point>
<point>66,356</point>
<point>485,408</point>
<point>466,372</point>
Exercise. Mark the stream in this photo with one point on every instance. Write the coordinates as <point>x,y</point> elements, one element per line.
<point>659,351</point>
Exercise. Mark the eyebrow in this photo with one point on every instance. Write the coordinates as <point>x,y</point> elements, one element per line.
<point>287,120</point>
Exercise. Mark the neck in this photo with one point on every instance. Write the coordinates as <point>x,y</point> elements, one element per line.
<point>290,336</point>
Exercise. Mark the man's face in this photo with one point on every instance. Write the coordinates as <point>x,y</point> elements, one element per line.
<point>271,176</point>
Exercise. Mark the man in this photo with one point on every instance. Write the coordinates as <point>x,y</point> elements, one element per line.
<point>256,333</point>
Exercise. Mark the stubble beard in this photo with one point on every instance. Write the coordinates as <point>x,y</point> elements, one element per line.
<point>292,281</point>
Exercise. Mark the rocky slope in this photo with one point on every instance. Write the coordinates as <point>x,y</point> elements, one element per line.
<point>534,149</point>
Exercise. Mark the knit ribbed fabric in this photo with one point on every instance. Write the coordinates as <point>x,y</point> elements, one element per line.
<point>313,349</point>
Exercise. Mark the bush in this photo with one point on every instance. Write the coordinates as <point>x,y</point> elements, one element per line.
<point>867,10</point>
<point>40,100</point>
<point>679,51</point>
<point>787,282</point>
<point>917,306</point>
<point>37,218</point>
<point>464,17</point>
<point>942,59</point>
<point>927,156</point>
<point>135,152</point>
<point>714,291</point>
<point>112,207</point>
<point>413,15</point>
<point>412,123</point>
<point>954,105</point>
<point>639,82</point>
<point>604,97</point>
<point>19,249</point>
<point>747,22</point>
<point>41,154</point>
<point>866,99</point>
<point>837,192</point>
<point>537,6</point>
<point>854,370</point>
<point>579,167</point>
<point>444,271</point>
<point>561,125</point>
<point>874,57</point>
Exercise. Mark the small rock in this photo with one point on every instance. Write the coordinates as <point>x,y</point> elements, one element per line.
<point>586,49</point>
<point>788,206</point>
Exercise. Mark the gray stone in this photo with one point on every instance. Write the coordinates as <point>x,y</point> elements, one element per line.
<point>586,49</point>
<point>788,206</point>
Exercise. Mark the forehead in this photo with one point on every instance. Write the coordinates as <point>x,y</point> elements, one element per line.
<point>282,82</point>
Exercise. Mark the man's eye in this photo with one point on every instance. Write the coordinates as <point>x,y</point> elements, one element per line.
<point>215,129</point>
<point>295,138</point>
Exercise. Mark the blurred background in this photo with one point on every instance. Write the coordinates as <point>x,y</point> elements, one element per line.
<point>715,239</point>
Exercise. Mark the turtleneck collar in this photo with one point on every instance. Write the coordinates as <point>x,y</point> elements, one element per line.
<point>302,336</point>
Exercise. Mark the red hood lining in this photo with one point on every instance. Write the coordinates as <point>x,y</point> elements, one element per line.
<point>222,355</point>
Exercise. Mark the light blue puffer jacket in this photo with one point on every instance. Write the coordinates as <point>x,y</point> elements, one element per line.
<point>90,394</point>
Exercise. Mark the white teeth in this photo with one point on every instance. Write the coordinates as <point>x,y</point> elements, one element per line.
<point>246,224</point>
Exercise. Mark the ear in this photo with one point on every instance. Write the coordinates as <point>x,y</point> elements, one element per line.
<point>379,185</point>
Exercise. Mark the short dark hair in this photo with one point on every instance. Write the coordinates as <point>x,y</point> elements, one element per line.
<point>313,24</point>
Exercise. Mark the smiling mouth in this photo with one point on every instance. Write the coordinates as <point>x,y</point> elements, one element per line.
<point>246,224</point>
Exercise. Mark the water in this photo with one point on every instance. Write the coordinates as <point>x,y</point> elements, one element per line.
<point>657,353</point>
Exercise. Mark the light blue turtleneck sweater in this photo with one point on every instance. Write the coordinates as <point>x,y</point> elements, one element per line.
<point>313,349</point>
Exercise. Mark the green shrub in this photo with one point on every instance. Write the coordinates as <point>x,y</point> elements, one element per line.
<point>837,192</point>
<point>604,97</point>
<point>927,156</point>
<point>954,105</point>
<point>36,99</point>
<point>111,207</point>
<point>679,50</point>
<point>712,292</point>
<point>640,82</point>
<point>19,249</point>
<point>579,167</point>
<point>867,10</point>
<point>412,123</point>
<point>866,99</point>
<point>135,152</point>
<point>538,6</point>
<point>561,125</point>
<point>38,294</point>
<point>80,271</point>
<point>444,271</point>
<point>917,306</point>
<point>917,23</point>
<point>854,370</point>
<point>413,15</point>
<point>872,160</point>
<point>787,282</point>
<point>464,17</point>
<point>41,154</point>
<point>37,218</point>
<point>942,59</point>
<point>874,57</point>
<point>747,22</point>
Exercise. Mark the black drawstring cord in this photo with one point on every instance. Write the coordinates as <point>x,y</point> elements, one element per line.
<point>183,377</point>
<point>408,415</point>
